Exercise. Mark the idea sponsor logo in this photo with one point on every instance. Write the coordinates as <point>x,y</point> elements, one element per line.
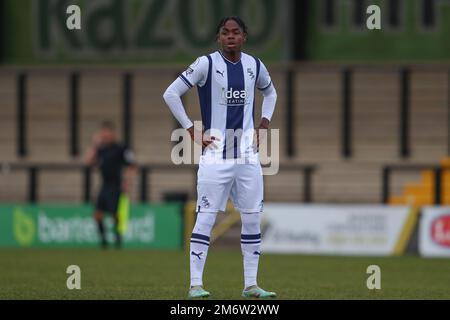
<point>440,230</point>
<point>234,97</point>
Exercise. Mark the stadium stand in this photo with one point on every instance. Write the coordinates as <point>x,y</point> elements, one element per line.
<point>429,115</point>
<point>47,117</point>
<point>317,103</point>
<point>7,116</point>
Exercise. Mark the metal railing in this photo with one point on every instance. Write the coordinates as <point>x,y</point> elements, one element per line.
<point>347,71</point>
<point>387,171</point>
<point>145,171</point>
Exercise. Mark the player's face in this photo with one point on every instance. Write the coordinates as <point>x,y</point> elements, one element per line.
<point>107,136</point>
<point>231,37</point>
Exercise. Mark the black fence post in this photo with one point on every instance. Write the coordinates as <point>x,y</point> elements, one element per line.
<point>127,102</point>
<point>290,128</point>
<point>144,184</point>
<point>32,184</point>
<point>74,114</point>
<point>87,178</point>
<point>307,185</point>
<point>346,124</point>
<point>21,115</point>
<point>386,184</point>
<point>404,113</point>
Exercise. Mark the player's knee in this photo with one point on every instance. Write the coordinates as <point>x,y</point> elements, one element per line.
<point>205,223</point>
<point>251,223</point>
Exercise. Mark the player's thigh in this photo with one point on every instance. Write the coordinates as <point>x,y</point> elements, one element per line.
<point>213,187</point>
<point>247,192</point>
<point>101,204</point>
<point>112,200</point>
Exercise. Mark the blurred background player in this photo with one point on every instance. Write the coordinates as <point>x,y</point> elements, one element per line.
<point>112,158</point>
<point>231,116</point>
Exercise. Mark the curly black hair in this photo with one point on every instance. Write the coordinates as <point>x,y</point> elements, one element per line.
<point>237,19</point>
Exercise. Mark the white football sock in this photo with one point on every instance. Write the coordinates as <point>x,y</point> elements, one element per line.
<point>199,246</point>
<point>251,246</point>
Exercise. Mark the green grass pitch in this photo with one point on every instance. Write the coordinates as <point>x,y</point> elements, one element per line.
<point>151,274</point>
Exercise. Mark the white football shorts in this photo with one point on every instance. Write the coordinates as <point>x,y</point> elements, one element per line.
<point>219,181</point>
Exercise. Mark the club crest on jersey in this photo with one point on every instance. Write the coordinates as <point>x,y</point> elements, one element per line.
<point>189,71</point>
<point>234,97</point>
<point>250,73</point>
<point>205,202</point>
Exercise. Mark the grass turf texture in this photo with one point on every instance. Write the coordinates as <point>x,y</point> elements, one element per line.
<point>150,274</point>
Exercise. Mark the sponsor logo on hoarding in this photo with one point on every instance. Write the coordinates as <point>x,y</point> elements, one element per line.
<point>290,236</point>
<point>333,229</point>
<point>24,228</point>
<point>79,229</point>
<point>440,230</point>
<point>50,225</point>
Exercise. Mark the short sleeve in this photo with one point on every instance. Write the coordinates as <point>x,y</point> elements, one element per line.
<point>196,73</point>
<point>264,81</point>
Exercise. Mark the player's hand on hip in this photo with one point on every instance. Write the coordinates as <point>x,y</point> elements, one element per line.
<point>202,139</point>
